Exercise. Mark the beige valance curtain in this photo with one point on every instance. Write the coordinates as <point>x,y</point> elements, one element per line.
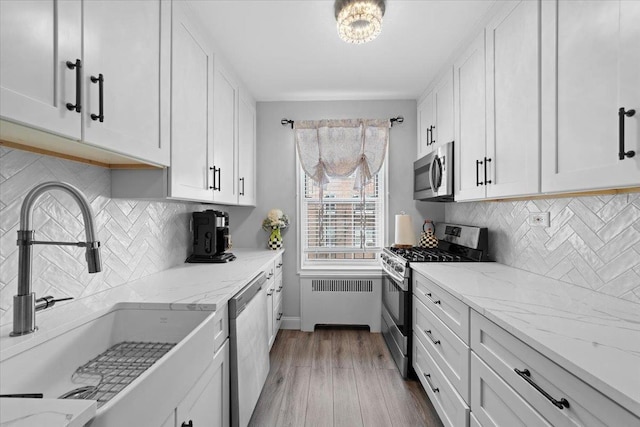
<point>338,148</point>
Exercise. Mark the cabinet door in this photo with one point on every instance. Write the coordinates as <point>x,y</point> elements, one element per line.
<point>587,75</point>
<point>426,115</point>
<point>246,152</point>
<point>513,101</point>
<point>37,38</point>
<point>270,323</point>
<point>444,131</point>
<point>127,43</point>
<point>207,403</point>
<point>191,109</point>
<point>225,95</point>
<point>470,137</point>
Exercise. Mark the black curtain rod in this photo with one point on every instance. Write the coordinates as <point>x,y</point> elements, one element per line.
<point>399,119</point>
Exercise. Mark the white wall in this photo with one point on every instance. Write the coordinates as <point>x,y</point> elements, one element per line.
<point>276,174</point>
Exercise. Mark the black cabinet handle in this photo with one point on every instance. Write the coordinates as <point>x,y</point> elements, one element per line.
<point>432,140</point>
<point>430,335</point>
<point>428,378</point>
<point>78,67</point>
<point>100,81</point>
<point>187,424</point>
<point>526,375</point>
<point>486,163</point>
<point>478,163</point>
<point>621,116</point>
<point>428,295</point>
<point>242,191</point>
<point>219,180</point>
<point>215,170</point>
<point>279,316</point>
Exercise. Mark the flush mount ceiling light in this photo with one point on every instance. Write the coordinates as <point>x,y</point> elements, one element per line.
<point>359,21</point>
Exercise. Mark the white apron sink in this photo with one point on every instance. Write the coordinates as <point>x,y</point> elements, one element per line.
<point>47,362</point>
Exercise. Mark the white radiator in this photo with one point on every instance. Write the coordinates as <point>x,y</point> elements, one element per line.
<point>336,301</point>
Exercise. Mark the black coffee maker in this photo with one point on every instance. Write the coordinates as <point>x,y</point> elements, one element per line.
<point>211,237</point>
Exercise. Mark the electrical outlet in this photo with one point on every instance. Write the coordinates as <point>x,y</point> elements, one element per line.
<point>539,219</point>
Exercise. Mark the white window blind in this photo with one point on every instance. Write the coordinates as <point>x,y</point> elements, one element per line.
<point>348,230</point>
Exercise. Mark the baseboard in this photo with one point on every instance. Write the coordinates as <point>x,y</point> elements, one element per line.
<point>290,323</point>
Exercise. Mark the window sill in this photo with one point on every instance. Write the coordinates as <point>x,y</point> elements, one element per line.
<point>341,270</point>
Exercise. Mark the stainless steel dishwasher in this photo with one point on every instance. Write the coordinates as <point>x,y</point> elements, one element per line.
<point>249,349</point>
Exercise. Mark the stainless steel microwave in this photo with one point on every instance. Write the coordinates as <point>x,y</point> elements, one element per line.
<point>433,175</point>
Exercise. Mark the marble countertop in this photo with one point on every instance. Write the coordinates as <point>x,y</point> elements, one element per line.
<point>592,335</point>
<point>184,287</point>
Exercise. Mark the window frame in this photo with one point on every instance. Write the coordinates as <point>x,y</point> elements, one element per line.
<point>364,265</point>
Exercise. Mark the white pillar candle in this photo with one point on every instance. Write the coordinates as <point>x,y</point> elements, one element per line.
<point>404,230</point>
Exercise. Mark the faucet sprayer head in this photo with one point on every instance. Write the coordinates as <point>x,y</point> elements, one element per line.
<point>94,262</point>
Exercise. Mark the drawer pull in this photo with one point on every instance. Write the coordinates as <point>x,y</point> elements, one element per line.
<point>428,332</point>
<point>270,293</point>
<point>279,316</point>
<point>428,295</point>
<point>526,375</point>
<point>279,265</point>
<point>279,288</point>
<point>428,378</point>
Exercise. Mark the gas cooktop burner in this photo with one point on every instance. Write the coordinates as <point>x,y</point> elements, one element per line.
<point>417,254</point>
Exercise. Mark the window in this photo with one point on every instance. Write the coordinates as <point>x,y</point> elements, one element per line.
<point>344,230</point>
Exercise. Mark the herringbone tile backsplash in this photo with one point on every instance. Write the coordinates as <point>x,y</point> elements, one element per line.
<point>137,237</point>
<point>593,241</point>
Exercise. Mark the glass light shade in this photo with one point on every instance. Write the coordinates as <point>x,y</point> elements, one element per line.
<point>360,21</point>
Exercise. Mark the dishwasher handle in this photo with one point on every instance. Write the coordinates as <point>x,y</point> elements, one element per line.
<point>240,300</point>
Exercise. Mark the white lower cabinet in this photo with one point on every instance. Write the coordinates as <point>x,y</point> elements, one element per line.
<point>524,371</point>
<point>207,403</point>
<point>453,411</point>
<point>274,289</point>
<point>473,421</point>
<point>449,351</point>
<point>494,403</point>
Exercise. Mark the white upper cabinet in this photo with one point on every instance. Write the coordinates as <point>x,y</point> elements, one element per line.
<point>435,116</point>
<point>125,67</point>
<point>591,69</point>
<point>37,38</point>
<point>426,120</point>
<point>96,71</point>
<point>225,96</point>
<point>497,104</point>
<point>470,121</point>
<point>246,151</point>
<point>444,131</point>
<point>513,101</point>
<point>191,110</point>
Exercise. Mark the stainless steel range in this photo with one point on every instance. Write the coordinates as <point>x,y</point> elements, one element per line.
<point>456,243</point>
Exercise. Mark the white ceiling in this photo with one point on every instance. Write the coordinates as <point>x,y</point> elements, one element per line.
<point>290,50</point>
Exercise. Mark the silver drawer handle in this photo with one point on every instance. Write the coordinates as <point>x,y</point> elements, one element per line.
<point>428,295</point>
<point>526,375</point>
<point>430,335</point>
<point>428,378</point>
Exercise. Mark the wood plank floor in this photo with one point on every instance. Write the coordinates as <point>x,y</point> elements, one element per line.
<point>338,377</point>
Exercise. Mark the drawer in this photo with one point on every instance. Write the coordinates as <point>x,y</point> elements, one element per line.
<point>453,411</point>
<point>504,353</point>
<point>494,403</point>
<point>278,264</point>
<point>448,351</point>
<point>277,316</point>
<point>277,288</point>
<point>450,310</point>
<point>220,327</point>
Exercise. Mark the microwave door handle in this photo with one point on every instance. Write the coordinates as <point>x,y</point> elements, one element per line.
<point>431,173</point>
